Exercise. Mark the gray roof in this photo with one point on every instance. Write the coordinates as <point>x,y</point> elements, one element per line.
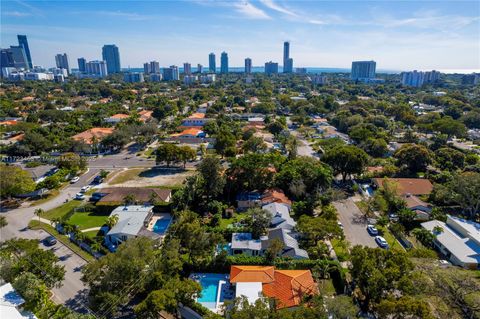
<point>459,236</point>
<point>130,219</point>
<point>280,216</point>
<point>245,241</point>
<point>291,247</point>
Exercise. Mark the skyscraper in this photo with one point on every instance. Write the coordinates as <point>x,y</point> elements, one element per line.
<point>199,68</point>
<point>96,68</point>
<point>248,65</point>
<point>6,58</point>
<point>187,68</point>
<point>22,41</point>
<point>224,63</point>
<point>171,73</point>
<point>417,79</point>
<point>152,67</point>
<point>82,64</point>
<point>212,65</point>
<point>62,62</point>
<point>20,60</point>
<point>111,55</point>
<point>271,68</point>
<point>363,70</point>
<point>287,61</point>
<point>146,68</point>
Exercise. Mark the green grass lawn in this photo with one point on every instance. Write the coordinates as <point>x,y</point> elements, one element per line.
<point>85,220</point>
<point>391,240</point>
<point>326,287</point>
<point>224,222</point>
<point>52,194</point>
<point>35,224</point>
<point>60,211</point>
<point>91,234</point>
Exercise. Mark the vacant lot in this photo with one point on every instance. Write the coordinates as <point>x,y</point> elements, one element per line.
<point>60,211</point>
<point>141,177</point>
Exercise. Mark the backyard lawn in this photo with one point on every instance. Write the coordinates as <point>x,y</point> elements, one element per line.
<point>224,222</point>
<point>60,211</point>
<point>85,220</point>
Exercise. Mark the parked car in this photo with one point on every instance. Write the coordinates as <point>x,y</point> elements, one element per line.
<point>79,196</point>
<point>97,180</point>
<point>372,230</point>
<point>50,241</point>
<point>340,225</point>
<point>381,241</point>
<point>74,180</point>
<point>96,196</point>
<point>84,189</point>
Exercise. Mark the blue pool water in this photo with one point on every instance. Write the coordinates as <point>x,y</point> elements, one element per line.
<point>161,225</point>
<point>210,285</point>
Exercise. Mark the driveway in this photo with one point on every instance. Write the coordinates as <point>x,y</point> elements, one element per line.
<point>354,225</point>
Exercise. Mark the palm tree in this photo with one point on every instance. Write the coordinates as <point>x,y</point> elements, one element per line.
<point>38,212</point>
<point>3,221</point>
<point>55,221</point>
<point>129,199</point>
<point>79,236</point>
<point>68,228</point>
<point>112,221</point>
<point>96,246</point>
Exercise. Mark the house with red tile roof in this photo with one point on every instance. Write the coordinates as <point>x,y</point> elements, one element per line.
<point>90,135</point>
<point>287,287</point>
<point>196,120</point>
<point>117,118</point>
<point>407,186</point>
<point>145,115</point>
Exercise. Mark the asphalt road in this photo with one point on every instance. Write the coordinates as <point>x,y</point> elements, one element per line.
<point>354,225</point>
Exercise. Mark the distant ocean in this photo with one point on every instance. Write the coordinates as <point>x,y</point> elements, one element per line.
<point>261,69</point>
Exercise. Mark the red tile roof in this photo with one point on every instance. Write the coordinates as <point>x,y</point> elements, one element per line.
<point>412,186</point>
<point>286,286</point>
<point>97,132</point>
<point>275,195</point>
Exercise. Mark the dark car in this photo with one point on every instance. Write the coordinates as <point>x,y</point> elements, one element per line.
<point>97,180</point>
<point>50,241</point>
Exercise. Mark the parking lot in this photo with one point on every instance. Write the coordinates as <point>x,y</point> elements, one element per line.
<point>354,225</point>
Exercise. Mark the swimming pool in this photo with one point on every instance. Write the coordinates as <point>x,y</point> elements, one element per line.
<point>211,297</point>
<point>161,225</point>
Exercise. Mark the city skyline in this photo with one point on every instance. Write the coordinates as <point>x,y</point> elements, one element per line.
<point>400,36</point>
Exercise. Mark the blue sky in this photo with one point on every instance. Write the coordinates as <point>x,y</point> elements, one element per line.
<point>399,35</point>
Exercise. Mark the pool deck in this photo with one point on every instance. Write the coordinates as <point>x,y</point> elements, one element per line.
<point>223,289</point>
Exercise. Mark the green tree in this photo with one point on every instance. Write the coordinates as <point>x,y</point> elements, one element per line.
<point>346,160</point>
<point>341,307</point>
<point>38,212</point>
<point>14,181</point>
<point>259,220</point>
<point>414,157</point>
<point>275,247</point>
<point>168,153</point>
<point>255,145</point>
<point>315,229</point>
<point>112,221</point>
<point>211,171</point>
<point>72,162</point>
<point>186,153</point>
<point>3,221</point>
<point>449,158</point>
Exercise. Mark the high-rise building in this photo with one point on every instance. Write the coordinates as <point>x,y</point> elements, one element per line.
<point>156,77</point>
<point>224,63</point>
<point>417,79</point>
<point>212,64</point>
<point>471,79</point>
<point>133,77</point>
<point>319,79</point>
<point>271,68</point>
<point>171,73</point>
<point>190,79</point>
<point>363,70</point>
<point>248,66</point>
<point>6,58</point>
<point>22,41</point>
<point>199,68</point>
<point>111,55</point>
<point>287,61</point>
<point>62,62</point>
<point>82,64</point>
<point>20,60</point>
<point>207,78</point>
<point>152,67</point>
<point>96,68</point>
<point>187,68</point>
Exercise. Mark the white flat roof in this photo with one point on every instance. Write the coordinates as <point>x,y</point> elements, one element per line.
<point>251,290</point>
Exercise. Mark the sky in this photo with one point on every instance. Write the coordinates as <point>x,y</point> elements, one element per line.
<point>398,35</point>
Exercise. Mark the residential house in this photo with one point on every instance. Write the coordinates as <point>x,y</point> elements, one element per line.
<point>248,200</point>
<point>421,208</point>
<point>190,136</point>
<point>117,118</point>
<point>145,115</point>
<point>287,287</point>
<point>458,240</point>
<point>93,135</point>
<point>255,199</point>
<point>280,216</point>
<point>132,222</point>
<point>196,120</point>
<point>11,304</point>
<point>407,186</point>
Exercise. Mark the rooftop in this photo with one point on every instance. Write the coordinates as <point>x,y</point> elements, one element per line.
<point>413,186</point>
<point>96,132</point>
<point>460,237</point>
<point>263,274</point>
<point>131,219</point>
<point>142,195</point>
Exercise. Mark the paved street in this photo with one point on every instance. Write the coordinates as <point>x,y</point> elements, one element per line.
<point>354,225</point>
<point>304,148</point>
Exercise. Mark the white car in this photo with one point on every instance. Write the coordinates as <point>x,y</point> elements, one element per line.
<point>340,225</point>
<point>381,241</point>
<point>74,180</point>
<point>84,189</point>
<point>79,196</point>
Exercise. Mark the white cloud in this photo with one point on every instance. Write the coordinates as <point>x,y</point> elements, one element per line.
<point>274,6</point>
<point>250,11</point>
<point>17,14</point>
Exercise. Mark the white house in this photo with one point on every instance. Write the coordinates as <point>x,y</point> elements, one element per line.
<point>11,304</point>
<point>459,240</point>
<point>132,222</point>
